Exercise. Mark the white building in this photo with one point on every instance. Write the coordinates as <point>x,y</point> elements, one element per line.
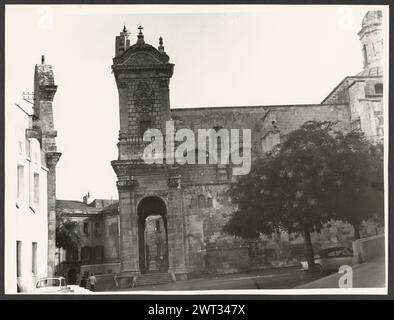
<point>30,162</point>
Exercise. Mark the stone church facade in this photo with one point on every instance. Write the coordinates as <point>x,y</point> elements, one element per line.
<point>171,216</point>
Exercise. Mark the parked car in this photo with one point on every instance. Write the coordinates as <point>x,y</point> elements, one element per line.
<point>52,285</point>
<point>331,259</point>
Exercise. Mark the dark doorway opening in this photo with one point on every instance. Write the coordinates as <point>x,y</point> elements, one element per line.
<point>152,235</point>
<point>72,276</point>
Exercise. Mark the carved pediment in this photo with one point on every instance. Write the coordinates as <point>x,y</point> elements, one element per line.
<point>141,58</point>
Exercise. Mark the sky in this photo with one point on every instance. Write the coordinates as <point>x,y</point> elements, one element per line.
<point>223,56</point>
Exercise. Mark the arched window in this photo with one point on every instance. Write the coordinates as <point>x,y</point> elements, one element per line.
<point>201,201</point>
<point>209,202</point>
<point>193,203</point>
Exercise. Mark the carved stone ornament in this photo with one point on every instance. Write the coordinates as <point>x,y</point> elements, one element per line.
<point>127,184</point>
<point>53,158</point>
<point>121,169</point>
<point>144,97</point>
<point>174,181</point>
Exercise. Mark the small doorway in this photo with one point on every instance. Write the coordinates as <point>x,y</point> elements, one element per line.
<point>152,235</point>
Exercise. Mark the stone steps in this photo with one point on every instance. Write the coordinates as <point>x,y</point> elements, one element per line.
<point>153,279</point>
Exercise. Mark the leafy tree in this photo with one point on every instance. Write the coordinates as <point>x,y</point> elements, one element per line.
<point>359,172</point>
<point>315,175</point>
<point>67,233</point>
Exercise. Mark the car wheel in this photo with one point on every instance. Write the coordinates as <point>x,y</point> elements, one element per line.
<point>318,269</point>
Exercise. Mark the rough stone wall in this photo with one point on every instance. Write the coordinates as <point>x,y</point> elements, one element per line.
<point>111,238</point>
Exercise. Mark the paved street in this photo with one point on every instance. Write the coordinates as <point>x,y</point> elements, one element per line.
<point>283,278</point>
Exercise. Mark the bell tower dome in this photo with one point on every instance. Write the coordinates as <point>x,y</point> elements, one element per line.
<point>372,43</point>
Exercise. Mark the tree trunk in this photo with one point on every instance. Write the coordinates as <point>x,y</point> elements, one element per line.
<point>356,227</point>
<point>309,251</point>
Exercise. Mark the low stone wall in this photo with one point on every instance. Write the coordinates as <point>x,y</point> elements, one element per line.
<point>227,260</point>
<point>97,269</point>
<point>367,249</point>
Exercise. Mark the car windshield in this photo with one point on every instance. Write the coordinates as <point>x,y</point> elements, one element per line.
<point>48,283</point>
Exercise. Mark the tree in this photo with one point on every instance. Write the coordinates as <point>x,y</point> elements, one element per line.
<point>315,175</point>
<point>359,176</point>
<point>67,233</point>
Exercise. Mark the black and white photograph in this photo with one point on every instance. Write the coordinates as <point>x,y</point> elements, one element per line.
<point>196,149</point>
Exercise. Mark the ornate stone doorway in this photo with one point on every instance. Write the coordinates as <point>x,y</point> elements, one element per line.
<point>152,235</point>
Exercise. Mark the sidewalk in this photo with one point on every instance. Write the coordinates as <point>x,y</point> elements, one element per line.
<point>370,274</point>
<point>78,289</point>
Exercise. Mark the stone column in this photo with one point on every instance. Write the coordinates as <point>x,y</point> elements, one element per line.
<point>128,220</point>
<point>175,222</point>
<point>52,160</point>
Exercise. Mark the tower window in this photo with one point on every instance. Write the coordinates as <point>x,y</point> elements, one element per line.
<point>145,125</point>
<point>365,55</point>
<point>379,88</point>
<point>201,201</point>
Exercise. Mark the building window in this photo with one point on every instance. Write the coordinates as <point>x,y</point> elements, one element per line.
<point>86,228</point>
<point>27,144</point>
<point>20,180</point>
<point>379,88</point>
<point>145,125</point>
<point>86,255</point>
<point>97,229</point>
<point>36,190</point>
<point>157,225</point>
<point>201,201</point>
<point>98,254</point>
<point>18,258</point>
<point>34,258</point>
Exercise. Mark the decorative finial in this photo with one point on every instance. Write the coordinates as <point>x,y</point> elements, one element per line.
<point>124,28</point>
<point>161,47</point>
<point>140,36</point>
<point>42,59</point>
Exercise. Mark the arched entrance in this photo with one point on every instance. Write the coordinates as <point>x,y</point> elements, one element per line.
<point>152,235</point>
